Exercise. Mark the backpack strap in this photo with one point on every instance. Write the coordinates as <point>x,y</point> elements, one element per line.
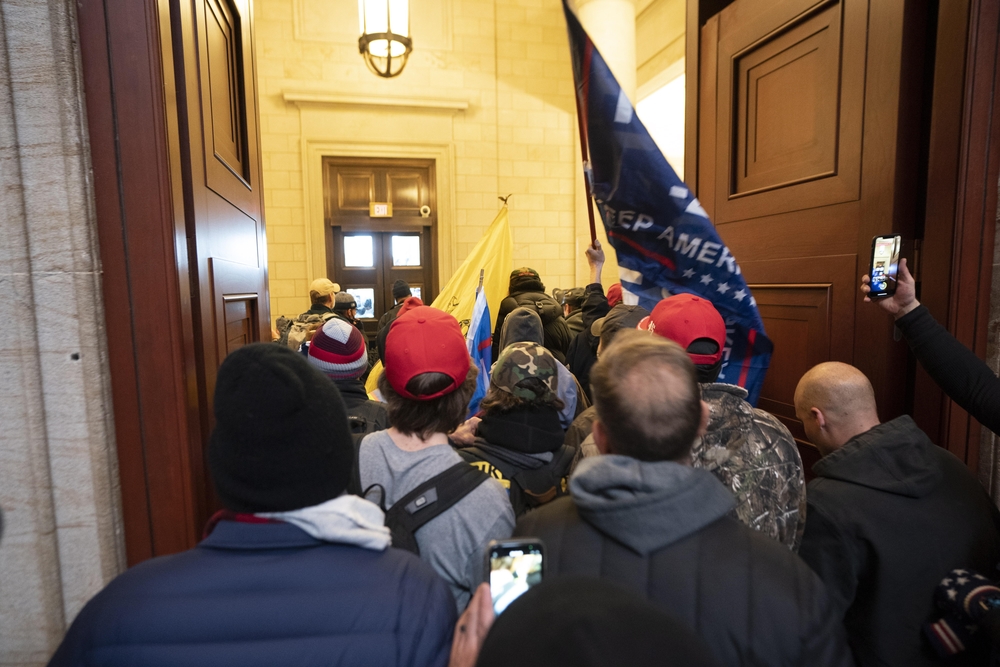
<point>428,501</point>
<point>354,483</point>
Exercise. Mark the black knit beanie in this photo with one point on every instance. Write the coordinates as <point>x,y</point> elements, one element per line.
<point>582,622</point>
<point>400,290</point>
<point>281,440</point>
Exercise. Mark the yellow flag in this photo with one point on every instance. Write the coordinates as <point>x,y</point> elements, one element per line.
<point>494,254</point>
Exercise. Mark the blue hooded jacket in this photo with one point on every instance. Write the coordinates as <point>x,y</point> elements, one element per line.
<point>267,594</point>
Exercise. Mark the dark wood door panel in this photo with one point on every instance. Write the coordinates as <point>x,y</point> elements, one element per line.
<point>236,294</point>
<point>234,235</point>
<point>228,103</point>
<point>355,189</point>
<point>789,111</point>
<point>808,308</point>
<point>807,304</point>
<point>787,106</point>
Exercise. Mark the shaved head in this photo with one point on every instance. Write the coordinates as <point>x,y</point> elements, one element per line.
<point>835,402</point>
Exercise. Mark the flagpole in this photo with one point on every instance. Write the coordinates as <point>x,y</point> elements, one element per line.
<point>580,121</point>
<point>482,273</point>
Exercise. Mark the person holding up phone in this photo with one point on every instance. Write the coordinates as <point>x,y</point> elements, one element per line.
<point>963,376</point>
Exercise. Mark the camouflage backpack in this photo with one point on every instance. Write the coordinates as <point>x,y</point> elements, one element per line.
<point>295,332</point>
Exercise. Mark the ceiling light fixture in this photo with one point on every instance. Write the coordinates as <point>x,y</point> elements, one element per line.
<point>385,35</point>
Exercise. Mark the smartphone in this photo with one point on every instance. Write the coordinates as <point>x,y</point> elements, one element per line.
<point>883,266</point>
<point>514,567</point>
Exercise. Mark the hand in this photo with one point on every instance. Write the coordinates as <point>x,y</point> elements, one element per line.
<point>465,434</point>
<point>595,258</point>
<point>472,627</point>
<point>595,254</point>
<point>905,298</point>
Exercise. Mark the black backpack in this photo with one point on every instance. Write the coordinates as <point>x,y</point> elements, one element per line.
<point>424,503</point>
<point>547,308</point>
<point>528,488</point>
<point>367,417</point>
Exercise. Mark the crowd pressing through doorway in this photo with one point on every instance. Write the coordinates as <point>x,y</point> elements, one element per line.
<point>672,520</point>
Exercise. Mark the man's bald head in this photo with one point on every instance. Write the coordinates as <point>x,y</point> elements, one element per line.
<point>835,402</point>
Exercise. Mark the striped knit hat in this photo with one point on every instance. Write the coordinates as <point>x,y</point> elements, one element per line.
<point>338,349</point>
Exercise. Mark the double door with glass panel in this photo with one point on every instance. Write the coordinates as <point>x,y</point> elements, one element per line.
<point>367,263</point>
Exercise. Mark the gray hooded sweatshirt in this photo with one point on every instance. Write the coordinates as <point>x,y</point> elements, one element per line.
<point>663,530</point>
<point>647,505</point>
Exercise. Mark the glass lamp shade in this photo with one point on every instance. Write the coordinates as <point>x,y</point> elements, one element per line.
<point>385,35</point>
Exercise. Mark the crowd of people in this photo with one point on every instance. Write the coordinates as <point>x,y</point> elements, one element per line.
<point>677,524</point>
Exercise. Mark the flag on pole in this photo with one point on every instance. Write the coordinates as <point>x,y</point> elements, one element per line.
<point>480,342</point>
<point>663,238</point>
<point>493,255</point>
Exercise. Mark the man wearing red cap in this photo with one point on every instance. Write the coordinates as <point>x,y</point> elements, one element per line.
<point>749,450</point>
<point>428,381</point>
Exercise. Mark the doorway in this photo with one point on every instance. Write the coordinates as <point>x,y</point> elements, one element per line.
<point>381,226</point>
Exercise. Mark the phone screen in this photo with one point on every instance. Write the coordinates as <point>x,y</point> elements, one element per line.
<point>884,263</point>
<point>514,568</point>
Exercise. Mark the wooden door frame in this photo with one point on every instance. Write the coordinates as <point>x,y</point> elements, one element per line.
<point>134,140</point>
<point>955,265</point>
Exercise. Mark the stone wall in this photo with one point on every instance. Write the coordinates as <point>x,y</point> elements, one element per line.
<point>507,59</point>
<point>62,537</point>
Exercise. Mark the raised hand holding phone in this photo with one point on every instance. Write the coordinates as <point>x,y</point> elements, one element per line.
<point>903,300</point>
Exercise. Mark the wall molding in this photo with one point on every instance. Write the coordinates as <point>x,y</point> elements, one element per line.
<point>341,100</point>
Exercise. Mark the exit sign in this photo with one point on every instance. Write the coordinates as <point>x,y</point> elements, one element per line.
<point>380,210</point>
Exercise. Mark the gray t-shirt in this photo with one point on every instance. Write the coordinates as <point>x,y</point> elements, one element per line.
<point>454,543</point>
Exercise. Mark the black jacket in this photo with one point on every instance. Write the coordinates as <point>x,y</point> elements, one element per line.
<point>363,414</point>
<point>663,530</point>
<point>575,322</point>
<point>965,378</point>
<point>582,352</point>
<point>319,309</point>
<point>389,316</point>
<point>530,293</point>
<point>889,515</point>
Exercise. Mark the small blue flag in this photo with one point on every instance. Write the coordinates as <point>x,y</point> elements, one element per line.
<point>479,339</point>
<point>664,240</point>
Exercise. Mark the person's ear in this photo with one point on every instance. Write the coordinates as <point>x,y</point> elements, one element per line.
<point>818,415</point>
<point>706,413</point>
<point>601,438</point>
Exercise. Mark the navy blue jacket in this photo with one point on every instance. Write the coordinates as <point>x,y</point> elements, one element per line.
<point>267,594</point>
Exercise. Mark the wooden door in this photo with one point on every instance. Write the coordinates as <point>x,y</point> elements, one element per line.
<point>366,254</point>
<point>213,61</point>
<point>807,134</point>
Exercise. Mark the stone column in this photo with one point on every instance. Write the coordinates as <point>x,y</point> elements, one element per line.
<point>611,24</point>
<point>62,538</point>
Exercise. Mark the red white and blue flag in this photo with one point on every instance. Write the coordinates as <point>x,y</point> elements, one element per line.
<point>479,340</point>
<point>664,240</point>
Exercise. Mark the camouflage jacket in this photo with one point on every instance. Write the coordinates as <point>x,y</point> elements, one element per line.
<point>755,456</point>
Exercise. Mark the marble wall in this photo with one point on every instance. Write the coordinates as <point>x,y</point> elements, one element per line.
<point>62,538</point>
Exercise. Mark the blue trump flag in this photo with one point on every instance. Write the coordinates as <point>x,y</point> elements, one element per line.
<point>664,240</point>
<point>480,342</point>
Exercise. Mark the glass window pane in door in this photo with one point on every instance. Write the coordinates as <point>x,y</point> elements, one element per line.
<point>415,291</point>
<point>358,251</point>
<point>405,250</point>
<point>364,297</point>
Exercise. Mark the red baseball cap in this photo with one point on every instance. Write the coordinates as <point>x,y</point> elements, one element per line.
<point>614,295</point>
<point>685,318</point>
<point>425,340</point>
